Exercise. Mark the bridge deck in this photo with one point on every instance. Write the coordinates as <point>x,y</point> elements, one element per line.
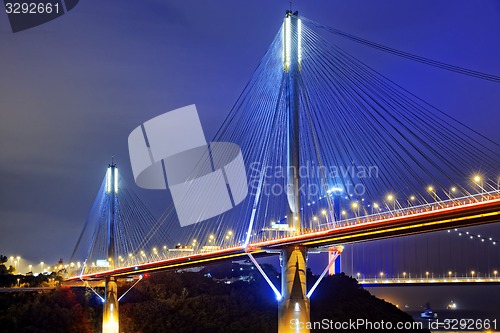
<point>404,222</point>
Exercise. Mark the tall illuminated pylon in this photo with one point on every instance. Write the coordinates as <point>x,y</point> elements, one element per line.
<point>293,307</point>
<point>110,319</point>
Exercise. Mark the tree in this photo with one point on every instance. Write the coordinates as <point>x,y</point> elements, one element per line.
<point>11,269</point>
<point>3,260</point>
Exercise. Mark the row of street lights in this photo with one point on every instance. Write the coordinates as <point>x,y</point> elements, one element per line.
<point>16,263</point>
<point>450,275</point>
<point>392,200</point>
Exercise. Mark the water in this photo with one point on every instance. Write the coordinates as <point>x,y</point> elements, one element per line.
<point>477,305</point>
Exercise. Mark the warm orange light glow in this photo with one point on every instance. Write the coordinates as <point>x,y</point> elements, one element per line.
<point>110,325</point>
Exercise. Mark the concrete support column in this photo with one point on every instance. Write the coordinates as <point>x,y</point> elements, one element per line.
<point>332,252</point>
<point>293,308</point>
<point>110,319</point>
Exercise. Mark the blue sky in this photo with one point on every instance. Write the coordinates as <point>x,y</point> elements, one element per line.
<point>73,89</point>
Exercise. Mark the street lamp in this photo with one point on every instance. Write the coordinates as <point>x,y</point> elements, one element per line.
<point>30,266</point>
<point>478,180</point>
<point>324,213</point>
<point>472,273</point>
<point>495,274</point>
<point>427,275</point>
<point>41,267</point>
<point>404,275</point>
<point>19,261</point>
<point>449,274</point>
<point>355,206</point>
<point>344,213</point>
<point>432,191</point>
<point>390,198</point>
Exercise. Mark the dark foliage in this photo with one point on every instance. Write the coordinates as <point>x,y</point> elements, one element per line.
<point>59,311</point>
<point>187,303</point>
<point>341,298</point>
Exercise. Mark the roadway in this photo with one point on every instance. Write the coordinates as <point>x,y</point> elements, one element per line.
<point>403,222</point>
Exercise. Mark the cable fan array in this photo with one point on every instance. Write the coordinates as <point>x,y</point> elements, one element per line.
<point>365,145</point>
<point>132,223</point>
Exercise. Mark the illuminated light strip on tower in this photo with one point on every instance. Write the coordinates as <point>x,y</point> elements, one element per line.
<point>108,180</point>
<point>283,42</point>
<point>287,42</point>
<point>116,180</point>
<point>299,41</point>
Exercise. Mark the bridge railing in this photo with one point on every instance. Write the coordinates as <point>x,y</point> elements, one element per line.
<point>143,258</point>
<point>398,212</point>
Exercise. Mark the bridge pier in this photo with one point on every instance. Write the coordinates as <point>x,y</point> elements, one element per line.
<point>334,253</point>
<point>294,307</point>
<point>110,318</point>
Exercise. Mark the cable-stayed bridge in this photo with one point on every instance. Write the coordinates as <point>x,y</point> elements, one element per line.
<point>336,154</point>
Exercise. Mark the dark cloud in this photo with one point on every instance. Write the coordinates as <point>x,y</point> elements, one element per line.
<point>72,90</point>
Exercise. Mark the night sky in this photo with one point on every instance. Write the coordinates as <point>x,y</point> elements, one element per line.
<point>73,89</point>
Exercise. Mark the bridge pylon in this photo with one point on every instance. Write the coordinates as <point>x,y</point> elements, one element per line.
<point>110,317</point>
<point>293,307</point>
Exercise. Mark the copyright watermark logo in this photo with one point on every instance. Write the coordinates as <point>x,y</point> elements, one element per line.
<point>26,14</point>
<point>363,325</point>
<point>274,179</point>
<point>205,179</point>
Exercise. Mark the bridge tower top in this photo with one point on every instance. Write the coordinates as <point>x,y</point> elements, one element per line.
<point>292,42</point>
<point>291,65</point>
<point>111,191</point>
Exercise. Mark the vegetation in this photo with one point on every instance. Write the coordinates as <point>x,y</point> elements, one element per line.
<point>59,311</point>
<point>211,301</point>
